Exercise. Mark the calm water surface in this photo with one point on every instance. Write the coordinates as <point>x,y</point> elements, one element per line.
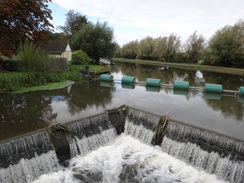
<point>23,113</point>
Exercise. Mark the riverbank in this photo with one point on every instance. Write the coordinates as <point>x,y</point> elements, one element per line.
<point>48,86</point>
<point>20,82</point>
<point>93,69</point>
<point>200,67</point>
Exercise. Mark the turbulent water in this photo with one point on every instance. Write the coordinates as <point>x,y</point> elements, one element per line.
<point>28,169</point>
<point>126,159</point>
<point>208,151</point>
<point>100,155</point>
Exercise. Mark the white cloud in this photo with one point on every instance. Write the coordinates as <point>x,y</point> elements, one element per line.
<point>159,17</point>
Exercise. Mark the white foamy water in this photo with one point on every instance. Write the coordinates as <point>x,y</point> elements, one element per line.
<point>127,160</point>
<point>28,169</point>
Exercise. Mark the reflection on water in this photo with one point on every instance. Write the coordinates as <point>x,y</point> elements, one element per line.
<point>22,113</point>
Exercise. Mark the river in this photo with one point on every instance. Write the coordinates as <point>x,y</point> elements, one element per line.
<point>23,113</point>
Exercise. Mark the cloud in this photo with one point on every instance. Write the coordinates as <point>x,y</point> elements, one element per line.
<point>159,17</point>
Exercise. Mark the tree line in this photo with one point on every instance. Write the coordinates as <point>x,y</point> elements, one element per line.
<point>28,19</point>
<point>224,48</point>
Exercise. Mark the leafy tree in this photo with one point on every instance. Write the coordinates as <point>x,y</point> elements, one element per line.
<point>160,48</point>
<point>226,46</point>
<point>57,36</point>
<point>80,57</point>
<point>146,47</point>
<point>97,40</point>
<point>118,51</point>
<point>21,19</point>
<point>74,22</point>
<point>130,49</point>
<point>193,47</point>
<point>173,45</point>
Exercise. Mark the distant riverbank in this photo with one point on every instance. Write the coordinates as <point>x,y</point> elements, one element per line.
<point>185,66</point>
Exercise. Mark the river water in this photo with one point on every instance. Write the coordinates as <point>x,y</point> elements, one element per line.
<point>23,113</point>
<point>187,154</point>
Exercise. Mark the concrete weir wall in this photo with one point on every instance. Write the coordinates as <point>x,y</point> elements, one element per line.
<point>59,137</point>
<point>198,147</point>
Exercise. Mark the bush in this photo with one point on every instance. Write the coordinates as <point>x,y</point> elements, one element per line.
<point>11,65</point>
<point>80,57</point>
<point>29,53</point>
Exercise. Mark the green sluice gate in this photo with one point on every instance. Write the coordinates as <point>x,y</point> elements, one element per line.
<point>128,80</point>
<point>213,88</point>
<point>152,82</point>
<point>241,90</point>
<point>183,85</point>
<point>106,77</point>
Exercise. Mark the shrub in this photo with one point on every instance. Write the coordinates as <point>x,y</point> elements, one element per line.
<point>29,53</point>
<point>80,57</point>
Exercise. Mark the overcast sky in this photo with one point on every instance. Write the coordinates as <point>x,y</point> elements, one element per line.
<point>136,19</point>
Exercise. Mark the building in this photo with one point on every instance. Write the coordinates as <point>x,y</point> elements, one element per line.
<point>58,49</point>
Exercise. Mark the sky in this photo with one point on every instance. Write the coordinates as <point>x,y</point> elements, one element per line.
<point>137,19</point>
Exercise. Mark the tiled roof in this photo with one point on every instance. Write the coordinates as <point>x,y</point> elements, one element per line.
<point>55,46</point>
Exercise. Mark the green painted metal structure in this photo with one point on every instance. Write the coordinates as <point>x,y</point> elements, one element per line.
<point>152,82</point>
<point>183,85</point>
<point>213,88</point>
<point>241,90</point>
<point>106,77</point>
<point>128,80</point>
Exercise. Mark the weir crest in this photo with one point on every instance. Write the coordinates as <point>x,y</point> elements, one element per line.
<point>32,155</point>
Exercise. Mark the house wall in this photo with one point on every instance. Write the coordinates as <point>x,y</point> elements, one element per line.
<point>54,55</point>
<point>67,54</point>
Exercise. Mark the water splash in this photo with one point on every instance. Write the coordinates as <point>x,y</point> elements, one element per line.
<point>27,170</point>
<point>141,125</point>
<point>128,160</point>
<point>90,134</point>
<point>25,147</point>
<point>208,151</point>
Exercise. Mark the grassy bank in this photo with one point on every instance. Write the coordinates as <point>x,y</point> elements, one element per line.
<point>82,67</point>
<point>96,69</point>
<point>11,82</point>
<point>185,66</point>
<point>48,86</point>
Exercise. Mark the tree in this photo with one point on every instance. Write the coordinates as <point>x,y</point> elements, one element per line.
<point>146,47</point>
<point>97,40</point>
<point>74,22</point>
<point>21,19</point>
<point>193,46</point>
<point>118,51</point>
<point>160,48</point>
<point>80,57</point>
<point>130,50</point>
<point>226,47</point>
<point>57,36</point>
<point>173,45</point>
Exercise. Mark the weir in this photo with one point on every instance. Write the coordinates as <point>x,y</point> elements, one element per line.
<point>208,151</point>
<point>32,155</point>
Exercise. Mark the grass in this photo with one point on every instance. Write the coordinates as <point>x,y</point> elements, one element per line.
<point>185,66</point>
<point>82,67</point>
<point>48,86</point>
<point>95,69</point>
<point>12,82</point>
